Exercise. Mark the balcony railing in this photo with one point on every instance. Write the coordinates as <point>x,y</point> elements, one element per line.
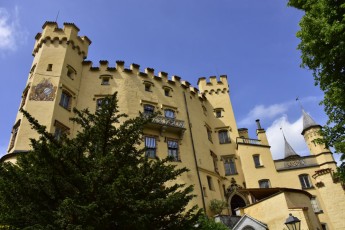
<point>168,121</point>
<point>299,162</point>
<point>249,141</point>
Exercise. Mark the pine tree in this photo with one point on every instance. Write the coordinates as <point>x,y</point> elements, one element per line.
<point>99,179</point>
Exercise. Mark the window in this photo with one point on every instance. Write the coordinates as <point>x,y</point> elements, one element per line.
<point>50,67</point>
<point>204,110</point>
<point>173,150</point>
<point>256,159</point>
<point>149,109</point>
<point>65,100</point>
<point>315,205</point>
<point>167,92</point>
<point>209,133</point>
<point>60,130</point>
<point>204,191</point>
<point>223,137</point>
<point>215,162</point>
<point>265,183</point>
<point>210,183</point>
<point>324,226</point>
<point>229,166</point>
<point>150,145</point>
<point>169,113</point>
<point>305,181</point>
<point>148,86</point>
<point>71,72</point>
<point>218,113</point>
<point>24,96</point>
<point>100,101</point>
<point>14,134</point>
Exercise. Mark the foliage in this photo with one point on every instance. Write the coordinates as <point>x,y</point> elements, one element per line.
<point>340,174</point>
<point>206,223</point>
<point>322,44</point>
<point>217,206</point>
<point>98,180</point>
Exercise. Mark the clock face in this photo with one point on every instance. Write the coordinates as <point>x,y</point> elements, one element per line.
<point>44,91</point>
<point>47,91</point>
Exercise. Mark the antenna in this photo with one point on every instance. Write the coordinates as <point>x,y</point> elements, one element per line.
<point>57,16</point>
<point>299,102</point>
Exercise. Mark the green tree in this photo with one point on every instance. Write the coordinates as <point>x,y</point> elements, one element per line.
<point>100,179</point>
<point>217,206</point>
<point>322,35</point>
<point>206,223</point>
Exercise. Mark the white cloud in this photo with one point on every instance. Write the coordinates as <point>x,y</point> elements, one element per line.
<point>11,33</point>
<point>292,132</point>
<point>262,112</point>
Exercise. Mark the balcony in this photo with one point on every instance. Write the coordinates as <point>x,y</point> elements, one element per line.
<point>166,124</point>
<point>248,141</point>
<point>295,163</point>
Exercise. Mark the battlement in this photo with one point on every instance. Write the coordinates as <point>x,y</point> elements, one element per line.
<point>213,85</point>
<point>148,73</point>
<point>67,35</point>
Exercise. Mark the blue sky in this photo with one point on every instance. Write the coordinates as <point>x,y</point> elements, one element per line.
<point>253,42</point>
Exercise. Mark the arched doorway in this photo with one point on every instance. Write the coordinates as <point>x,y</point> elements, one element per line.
<point>236,202</point>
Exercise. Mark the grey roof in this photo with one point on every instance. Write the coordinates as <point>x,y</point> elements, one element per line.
<point>308,121</point>
<point>289,152</point>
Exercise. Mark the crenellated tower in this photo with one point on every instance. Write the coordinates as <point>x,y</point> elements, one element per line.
<point>53,82</point>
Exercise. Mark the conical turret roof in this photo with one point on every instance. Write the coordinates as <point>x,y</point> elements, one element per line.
<point>308,121</point>
<point>289,151</point>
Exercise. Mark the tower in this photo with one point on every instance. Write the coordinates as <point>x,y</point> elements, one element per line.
<point>53,83</point>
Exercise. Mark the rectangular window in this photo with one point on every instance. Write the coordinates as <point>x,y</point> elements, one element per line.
<point>223,137</point>
<point>305,181</point>
<point>256,159</point>
<point>50,67</point>
<point>264,183</point>
<point>169,113</point>
<point>149,109</point>
<point>14,134</point>
<point>173,150</point>
<point>148,87</point>
<point>150,145</point>
<point>24,96</point>
<point>209,134</point>
<point>105,81</point>
<point>229,166</point>
<point>60,130</point>
<point>218,113</point>
<point>65,100</point>
<point>210,183</point>
<point>215,162</point>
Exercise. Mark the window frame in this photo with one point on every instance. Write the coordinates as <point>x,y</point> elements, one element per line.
<point>305,181</point>
<point>173,149</point>
<point>60,129</point>
<point>263,182</point>
<point>71,72</point>
<point>14,135</point>
<point>257,161</point>
<point>150,147</point>
<point>224,137</point>
<point>147,111</point>
<point>170,113</point>
<point>229,166</point>
<point>315,205</point>
<point>63,103</point>
<point>215,161</point>
<point>210,183</point>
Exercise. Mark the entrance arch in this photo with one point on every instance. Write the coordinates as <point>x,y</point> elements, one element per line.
<point>236,201</point>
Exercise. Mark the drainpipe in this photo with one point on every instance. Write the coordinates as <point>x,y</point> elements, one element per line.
<point>194,154</point>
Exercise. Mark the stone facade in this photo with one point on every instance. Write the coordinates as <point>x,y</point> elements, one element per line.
<point>197,124</point>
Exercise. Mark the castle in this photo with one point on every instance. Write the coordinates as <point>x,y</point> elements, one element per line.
<point>197,128</point>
